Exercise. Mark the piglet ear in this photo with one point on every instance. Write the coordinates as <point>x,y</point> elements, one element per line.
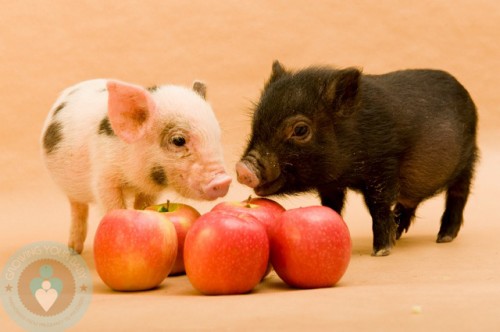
<point>200,88</point>
<point>342,91</point>
<point>131,110</point>
<point>278,71</point>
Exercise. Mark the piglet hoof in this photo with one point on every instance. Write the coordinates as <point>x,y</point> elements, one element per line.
<point>444,238</point>
<point>75,247</point>
<point>381,252</point>
<point>400,230</point>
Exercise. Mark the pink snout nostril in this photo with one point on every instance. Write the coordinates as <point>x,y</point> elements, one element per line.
<point>246,176</point>
<point>218,187</point>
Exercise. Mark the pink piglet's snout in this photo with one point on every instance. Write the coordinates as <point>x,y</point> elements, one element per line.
<point>218,187</point>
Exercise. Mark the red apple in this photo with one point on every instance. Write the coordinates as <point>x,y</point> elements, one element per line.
<point>225,254</point>
<point>183,217</point>
<point>265,210</point>
<point>310,247</point>
<point>134,250</point>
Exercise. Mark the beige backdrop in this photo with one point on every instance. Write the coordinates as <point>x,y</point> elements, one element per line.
<point>47,45</point>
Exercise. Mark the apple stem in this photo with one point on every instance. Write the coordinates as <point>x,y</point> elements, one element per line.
<point>162,208</point>
<point>248,201</point>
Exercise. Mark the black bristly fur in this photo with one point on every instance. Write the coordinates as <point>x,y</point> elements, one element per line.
<point>398,138</point>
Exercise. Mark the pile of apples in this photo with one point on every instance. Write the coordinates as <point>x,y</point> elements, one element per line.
<point>227,250</point>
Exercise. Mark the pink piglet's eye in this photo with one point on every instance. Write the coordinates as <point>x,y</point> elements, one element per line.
<point>178,141</point>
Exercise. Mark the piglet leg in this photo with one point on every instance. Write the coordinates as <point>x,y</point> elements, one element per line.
<point>142,201</point>
<point>379,197</point>
<point>384,229</point>
<point>110,194</point>
<point>403,216</point>
<point>456,198</point>
<point>333,197</point>
<point>78,229</point>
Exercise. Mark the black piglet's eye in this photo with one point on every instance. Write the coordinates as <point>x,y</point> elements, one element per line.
<point>300,130</point>
<point>178,141</point>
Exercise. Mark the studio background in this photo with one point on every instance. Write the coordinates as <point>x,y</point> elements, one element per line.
<point>45,46</point>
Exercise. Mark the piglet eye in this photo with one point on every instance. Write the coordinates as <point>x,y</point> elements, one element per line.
<point>301,130</point>
<point>178,141</point>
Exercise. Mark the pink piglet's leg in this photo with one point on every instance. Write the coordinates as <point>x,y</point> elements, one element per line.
<point>78,228</point>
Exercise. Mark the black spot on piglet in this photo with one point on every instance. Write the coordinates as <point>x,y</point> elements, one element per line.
<point>59,108</point>
<point>52,137</point>
<point>158,175</point>
<point>105,128</point>
<point>152,88</point>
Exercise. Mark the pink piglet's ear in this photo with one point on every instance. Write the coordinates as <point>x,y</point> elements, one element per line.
<point>131,110</point>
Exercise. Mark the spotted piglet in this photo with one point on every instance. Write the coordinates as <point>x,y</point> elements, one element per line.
<point>106,141</point>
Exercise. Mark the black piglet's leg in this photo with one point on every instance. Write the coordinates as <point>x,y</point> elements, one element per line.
<point>403,217</point>
<point>456,198</point>
<point>333,197</point>
<point>379,197</point>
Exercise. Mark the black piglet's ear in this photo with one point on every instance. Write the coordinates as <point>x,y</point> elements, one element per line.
<point>342,91</point>
<point>278,71</point>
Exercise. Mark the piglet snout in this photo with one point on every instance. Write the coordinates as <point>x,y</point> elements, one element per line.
<point>246,176</point>
<point>218,187</point>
